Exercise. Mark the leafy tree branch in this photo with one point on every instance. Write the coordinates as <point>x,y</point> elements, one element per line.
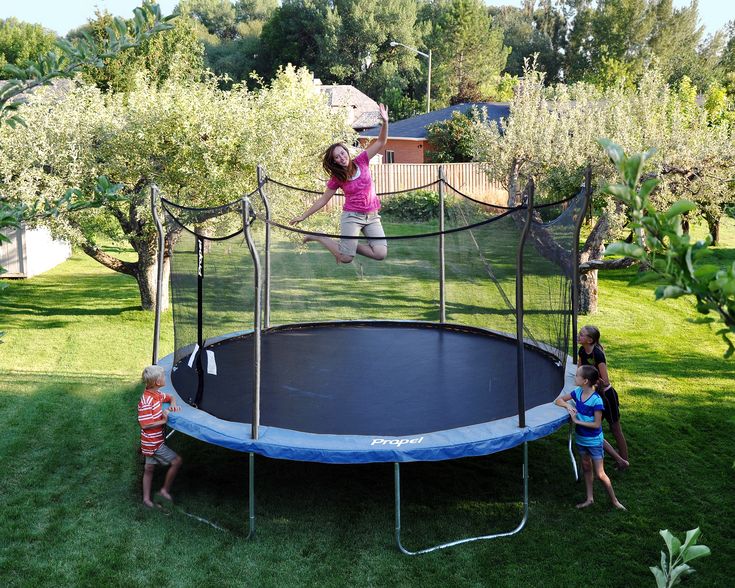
<point>674,258</point>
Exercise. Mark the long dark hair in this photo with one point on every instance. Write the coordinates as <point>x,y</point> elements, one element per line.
<point>341,173</point>
<point>594,333</point>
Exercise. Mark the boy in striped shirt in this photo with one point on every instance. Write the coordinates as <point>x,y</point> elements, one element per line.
<point>152,417</point>
<point>586,414</point>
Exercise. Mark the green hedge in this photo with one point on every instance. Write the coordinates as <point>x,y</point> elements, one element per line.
<point>417,206</point>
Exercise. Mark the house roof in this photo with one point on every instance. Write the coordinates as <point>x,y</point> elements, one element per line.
<point>415,127</point>
<point>362,111</point>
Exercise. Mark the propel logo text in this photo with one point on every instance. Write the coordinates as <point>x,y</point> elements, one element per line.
<point>397,442</point>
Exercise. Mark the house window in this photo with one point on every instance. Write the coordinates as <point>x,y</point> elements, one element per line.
<point>390,156</point>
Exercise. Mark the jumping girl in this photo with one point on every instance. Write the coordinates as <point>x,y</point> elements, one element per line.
<point>360,211</point>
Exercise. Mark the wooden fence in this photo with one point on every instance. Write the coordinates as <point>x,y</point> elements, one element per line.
<point>468,178</point>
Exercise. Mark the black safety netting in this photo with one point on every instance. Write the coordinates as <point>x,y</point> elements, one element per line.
<point>211,275</point>
<point>477,244</point>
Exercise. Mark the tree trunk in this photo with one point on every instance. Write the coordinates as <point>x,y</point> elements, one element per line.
<point>513,199</point>
<point>144,270</point>
<point>592,251</point>
<point>146,275</point>
<point>713,224</point>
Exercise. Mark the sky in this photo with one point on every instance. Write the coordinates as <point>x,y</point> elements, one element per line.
<point>61,16</point>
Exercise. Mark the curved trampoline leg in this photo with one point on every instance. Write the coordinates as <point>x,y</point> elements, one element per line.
<point>571,452</point>
<point>397,478</point>
<point>251,496</point>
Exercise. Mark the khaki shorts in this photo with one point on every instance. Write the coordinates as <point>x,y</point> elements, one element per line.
<point>164,455</point>
<point>353,223</point>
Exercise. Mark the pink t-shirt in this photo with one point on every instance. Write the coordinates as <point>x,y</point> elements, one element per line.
<point>359,191</point>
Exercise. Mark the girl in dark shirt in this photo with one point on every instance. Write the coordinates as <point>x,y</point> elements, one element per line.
<point>591,353</point>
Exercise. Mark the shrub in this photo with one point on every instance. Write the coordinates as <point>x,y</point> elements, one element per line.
<point>416,206</point>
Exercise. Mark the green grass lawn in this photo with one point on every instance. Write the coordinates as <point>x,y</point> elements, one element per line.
<point>70,505</point>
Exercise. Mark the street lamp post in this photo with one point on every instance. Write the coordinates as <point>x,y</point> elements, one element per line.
<point>428,80</point>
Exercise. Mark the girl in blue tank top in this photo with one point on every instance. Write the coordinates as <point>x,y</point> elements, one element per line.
<point>586,414</point>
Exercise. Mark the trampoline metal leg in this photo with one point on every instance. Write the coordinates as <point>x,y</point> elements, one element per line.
<point>397,477</point>
<point>571,452</point>
<point>251,496</point>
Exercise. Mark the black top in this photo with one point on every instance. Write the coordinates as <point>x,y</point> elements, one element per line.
<point>595,358</point>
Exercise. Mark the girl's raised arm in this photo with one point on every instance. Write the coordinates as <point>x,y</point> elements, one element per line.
<point>379,143</point>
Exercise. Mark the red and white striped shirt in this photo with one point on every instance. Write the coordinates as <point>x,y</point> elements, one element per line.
<point>150,410</point>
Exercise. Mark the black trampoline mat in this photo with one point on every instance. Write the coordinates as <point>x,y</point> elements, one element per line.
<point>392,379</point>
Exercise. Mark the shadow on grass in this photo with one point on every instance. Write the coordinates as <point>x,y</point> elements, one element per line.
<point>69,295</point>
<point>680,365</point>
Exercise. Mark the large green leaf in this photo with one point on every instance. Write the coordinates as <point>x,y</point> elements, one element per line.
<point>613,150</point>
<point>660,577</point>
<point>695,551</point>
<point>670,291</point>
<point>679,208</point>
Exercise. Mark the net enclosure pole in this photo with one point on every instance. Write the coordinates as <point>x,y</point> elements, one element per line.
<point>159,271</point>
<point>520,358</point>
<point>575,253</point>
<point>247,217</point>
<point>262,181</point>
<point>442,265</point>
<point>200,319</point>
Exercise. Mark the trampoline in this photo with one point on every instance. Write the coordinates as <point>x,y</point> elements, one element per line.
<point>370,390</point>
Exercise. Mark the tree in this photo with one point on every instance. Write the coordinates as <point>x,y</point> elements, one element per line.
<point>468,49</point>
<point>551,134</point>
<point>254,10</point>
<point>728,54</point>
<point>21,41</point>
<point>177,54</point>
<point>199,144</point>
<point>64,62</point>
<point>529,33</point>
<point>674,40</point>
<point>451,140</point>
<point>297,33</point>
<point>399,105</point>
<point>346,42</point>
<point>684,267</point>
<point>218,16</point>
<point>230,33</point>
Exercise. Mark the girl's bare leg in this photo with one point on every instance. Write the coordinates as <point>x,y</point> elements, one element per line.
<point>620,460</point>
<point>622,444</point>
<point>379,252</point>
<point>588,479</point>
<point>332,246</point>
<point>602,476</point>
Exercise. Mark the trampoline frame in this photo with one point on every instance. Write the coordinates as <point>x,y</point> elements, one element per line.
<point>261,322</point>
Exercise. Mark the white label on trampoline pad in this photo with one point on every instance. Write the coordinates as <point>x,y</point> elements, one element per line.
<point>397,442</point>
<point>211,364</point>
<point>193,354</point>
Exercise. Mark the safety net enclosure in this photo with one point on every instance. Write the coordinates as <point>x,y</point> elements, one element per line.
<point>414,357</point>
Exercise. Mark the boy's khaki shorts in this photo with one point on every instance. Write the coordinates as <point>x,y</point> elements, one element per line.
<point>164,455</point>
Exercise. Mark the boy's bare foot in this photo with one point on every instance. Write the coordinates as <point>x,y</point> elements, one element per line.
<point>585,504</point>
<point>619,506</point>
<point>165,495</point>
<point>149,503</point>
